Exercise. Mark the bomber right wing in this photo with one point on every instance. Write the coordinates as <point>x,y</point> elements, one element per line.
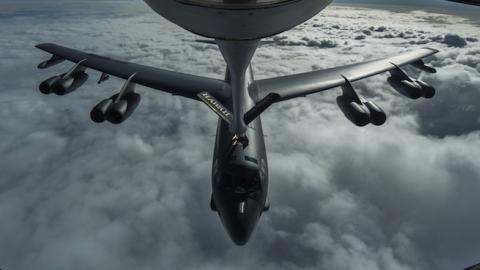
<point>355,107</point>
<point>300,85</point>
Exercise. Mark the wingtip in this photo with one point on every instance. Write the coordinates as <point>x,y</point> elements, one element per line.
<point>42,46</point>
<point>432,50</point>
<point>39,45</point>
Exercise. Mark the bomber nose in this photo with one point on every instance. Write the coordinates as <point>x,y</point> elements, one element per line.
<point>241,232</point>
<point>239,201</point>
<point>241,222</point>
<point>241,239</point>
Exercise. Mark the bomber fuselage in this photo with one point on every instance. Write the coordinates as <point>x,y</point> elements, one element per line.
<point>240,169</point>
<point>240,177</point>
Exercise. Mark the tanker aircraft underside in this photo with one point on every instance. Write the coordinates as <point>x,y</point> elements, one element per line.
<point>240,168</point>
<point>468,2</point>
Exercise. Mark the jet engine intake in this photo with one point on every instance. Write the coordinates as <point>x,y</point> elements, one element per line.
<point>65,83</point>
<point>118,107</point>
<point>359,110</point>
<point>99,112</point>
<point>68,84</point>
<point>47,85</point>
<point>124,108</point>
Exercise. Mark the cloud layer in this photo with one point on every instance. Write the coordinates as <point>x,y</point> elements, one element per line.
<point>74,194</point>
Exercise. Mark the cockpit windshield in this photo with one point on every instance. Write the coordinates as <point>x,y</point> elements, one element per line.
<point>235,3</point>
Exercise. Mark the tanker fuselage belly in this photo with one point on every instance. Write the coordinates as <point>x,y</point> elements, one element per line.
<point>225,22</point>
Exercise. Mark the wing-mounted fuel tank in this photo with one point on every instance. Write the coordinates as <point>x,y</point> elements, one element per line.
<point>65,83</point>
<point>118,107</point>
<point>359,110</point>
<point>237,20</point>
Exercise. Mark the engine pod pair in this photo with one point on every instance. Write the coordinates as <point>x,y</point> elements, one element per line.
<point>361,114</point>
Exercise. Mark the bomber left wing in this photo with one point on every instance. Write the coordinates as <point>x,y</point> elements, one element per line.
<point>176,83</point>
<point>355,107</point>
<point>119,107</point>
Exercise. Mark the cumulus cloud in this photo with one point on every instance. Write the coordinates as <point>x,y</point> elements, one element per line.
<point>76,194</point>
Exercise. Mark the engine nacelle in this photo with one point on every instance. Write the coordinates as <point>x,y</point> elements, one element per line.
<point>118,111</point>
<point>47,85</point>
<point>427,90</point>
<point>355,112</point>
<point>99,112</point>
<point>68,84</point>
<point>123,109</point>
<point>410,89</point>
<point>115,112</point>
<point>377,116</point>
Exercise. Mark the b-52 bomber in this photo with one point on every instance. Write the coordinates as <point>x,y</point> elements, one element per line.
<point>240,169</point>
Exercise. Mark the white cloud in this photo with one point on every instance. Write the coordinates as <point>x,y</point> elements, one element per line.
<point>77,194</point>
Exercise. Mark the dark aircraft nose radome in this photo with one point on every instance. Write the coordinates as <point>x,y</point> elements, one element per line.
<point>241,223</point>
<point>241,232</point>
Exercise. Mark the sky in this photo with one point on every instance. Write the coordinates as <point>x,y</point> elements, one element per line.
<point>78,195</point>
